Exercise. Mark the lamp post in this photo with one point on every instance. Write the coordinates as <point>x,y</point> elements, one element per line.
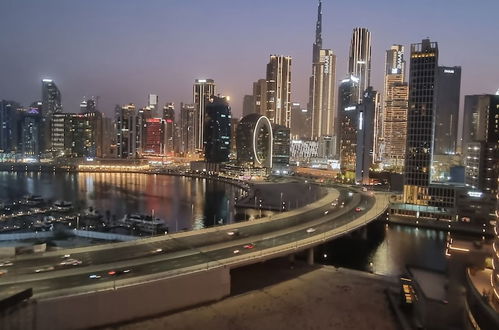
<point>281,201</point>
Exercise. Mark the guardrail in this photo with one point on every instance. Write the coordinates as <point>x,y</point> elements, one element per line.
<point>480,313</point>
<point>231,262</point>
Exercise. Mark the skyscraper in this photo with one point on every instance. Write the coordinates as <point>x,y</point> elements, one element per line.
<point>203,90</point>
<point>187,128</point>
<point>248,104</point>
<point>254,141</point>
<point>420,119</point>
<point>88,105</point>
<point>395,105</point>
<point>8,126</point>
<point>51,103</point>
<point>260,96</point>
<point>171,133</point>
<point>279,90</point>
<point>153,104</point>
<point>448,89</point>
<point>281,147</point>
<point>154,136</point>
<point>127,126</point>
<point>365,135</point>
<point>30,126</point>
<point>481,143</point>
<point>322,85</point>
<point>51,98</point>
<point>217,130</point>
<point>348,122</point>
<point>359,64</point>
<point>300,122</point>
<point>61,134</point>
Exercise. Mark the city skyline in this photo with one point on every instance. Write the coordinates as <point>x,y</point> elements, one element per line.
<point>116,65</point>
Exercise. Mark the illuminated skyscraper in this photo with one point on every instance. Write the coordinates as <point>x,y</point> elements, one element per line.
<point>281,147</point>
<point>51,103</point>
<point>128,127</point>
<point>254,141</point>
<point>154,136</point>
<point>365,145</point>
<point>279,90</point>
<point>481,143</point>
<point>348,122</point>
<point>322,85</point>
<point>396,98</point>
<point>203,91</point>
<point>30,126</point>
<point>170,129</point>
<point>88,105</point>
<point>51,98</point>
<point>359,64</point>
<point>153,104</point>
<point>420,119</point>
<point>187,128</point>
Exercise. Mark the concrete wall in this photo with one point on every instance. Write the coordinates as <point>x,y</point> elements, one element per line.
<point>132,302</point>
<point>7,251</point>
<point>99,235</point>
<point>21,236</point>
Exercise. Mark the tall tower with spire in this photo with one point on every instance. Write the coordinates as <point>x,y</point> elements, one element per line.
<point>322,85</point>
<point>318,35</point>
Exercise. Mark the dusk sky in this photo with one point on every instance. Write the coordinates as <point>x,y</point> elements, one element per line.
<point>122,50</point>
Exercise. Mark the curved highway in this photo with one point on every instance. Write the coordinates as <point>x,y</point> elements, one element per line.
<point>105,266</point>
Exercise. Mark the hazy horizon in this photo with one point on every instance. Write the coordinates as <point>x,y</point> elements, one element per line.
<point>123,50</point>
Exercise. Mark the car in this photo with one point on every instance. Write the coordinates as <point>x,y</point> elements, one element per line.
<point>44,269</point>
<point>234,232</point>
<point>310,230</point>
<point>159,250</point>
<point>118,272</point>
<point>70,262</point>
<point>326,212</point>
<point>249,246</point>
<point>94,276</point>
<point>3,272</point>
<point>6,263</point>
<point>236,251</point>
<point>358,209</point>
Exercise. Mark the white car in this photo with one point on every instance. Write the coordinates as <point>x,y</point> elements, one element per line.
<point>44,269</point>
<point>70,262</point>
<point>236,251</point>
<point>310,230</point>
<point>6,263</point>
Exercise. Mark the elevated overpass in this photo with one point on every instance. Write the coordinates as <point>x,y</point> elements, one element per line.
<point>182,260</point>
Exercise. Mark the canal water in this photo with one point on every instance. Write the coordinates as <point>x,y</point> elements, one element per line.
<point>183,203</point>
<point>387,249</point>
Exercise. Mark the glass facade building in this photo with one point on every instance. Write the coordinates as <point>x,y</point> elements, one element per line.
<point>217,130</point>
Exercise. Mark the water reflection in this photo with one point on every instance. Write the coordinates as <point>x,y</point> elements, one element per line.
<point>389,248</point>
<point>184,203</point>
